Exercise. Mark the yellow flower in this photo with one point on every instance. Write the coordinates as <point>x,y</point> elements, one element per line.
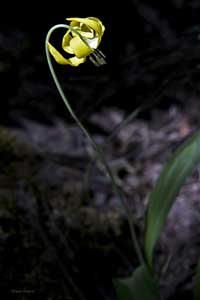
<point>81,39</point>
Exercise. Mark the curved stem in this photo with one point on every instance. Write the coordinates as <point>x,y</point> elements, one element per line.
<point>93,143</point>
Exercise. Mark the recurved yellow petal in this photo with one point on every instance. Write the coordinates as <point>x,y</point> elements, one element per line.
<point>80,48</point>
<point>66,42</point>
<point>91,22</point>
<point>73,61</point>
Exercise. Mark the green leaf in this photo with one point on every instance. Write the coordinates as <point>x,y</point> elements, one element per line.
<point>140,286</point>
<point>166,189</point>
<point>197,283</point>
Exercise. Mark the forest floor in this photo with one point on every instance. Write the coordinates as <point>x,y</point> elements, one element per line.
<point>64,232</point>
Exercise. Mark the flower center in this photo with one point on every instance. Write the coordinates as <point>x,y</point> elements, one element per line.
<point>93,43</point>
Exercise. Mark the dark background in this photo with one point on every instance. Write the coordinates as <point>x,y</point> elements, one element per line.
<point>145,42</point>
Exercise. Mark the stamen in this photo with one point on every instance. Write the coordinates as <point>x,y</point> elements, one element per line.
<point>97,58</point>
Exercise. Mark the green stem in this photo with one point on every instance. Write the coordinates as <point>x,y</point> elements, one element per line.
<point>92,141</point>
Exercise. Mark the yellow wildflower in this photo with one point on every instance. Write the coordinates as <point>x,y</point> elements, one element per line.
<point>81,40</point>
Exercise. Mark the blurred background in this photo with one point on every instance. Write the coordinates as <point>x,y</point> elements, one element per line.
<point>145,42</point>
<point>60,236</point>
